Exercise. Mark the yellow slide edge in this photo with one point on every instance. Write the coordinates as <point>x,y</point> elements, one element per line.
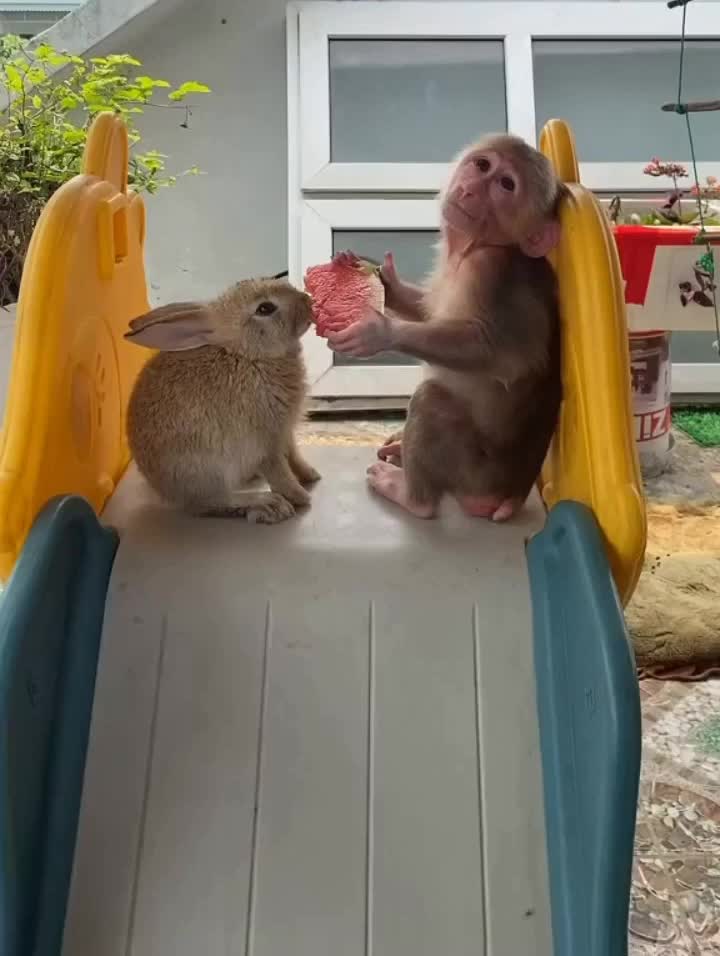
<point>593,458</point>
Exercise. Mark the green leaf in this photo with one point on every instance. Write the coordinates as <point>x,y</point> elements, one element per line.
<point>13,78</point>
<point>122,59</point>
<point>148,83</point>
<point>37,102</point>
<point>72,135</point>
<point>186,88</point>
<point>36,74</point>
<point>44,53</point>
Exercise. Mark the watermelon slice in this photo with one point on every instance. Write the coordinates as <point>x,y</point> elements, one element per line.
<point>342,290</point>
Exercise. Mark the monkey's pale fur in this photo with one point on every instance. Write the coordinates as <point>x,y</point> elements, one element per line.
<point>218,406</point>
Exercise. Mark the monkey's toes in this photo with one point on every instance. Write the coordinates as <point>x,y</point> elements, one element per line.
<point>389,481</point>
<point>380,468</point>
<point>508,509</point>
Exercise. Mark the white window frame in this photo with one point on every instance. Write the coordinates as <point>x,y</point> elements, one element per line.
<point>516,24</point>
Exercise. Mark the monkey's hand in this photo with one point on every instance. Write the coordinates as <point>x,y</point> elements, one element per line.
<point>401,297</point>
<point>388,273</point>
<point>371,334</point>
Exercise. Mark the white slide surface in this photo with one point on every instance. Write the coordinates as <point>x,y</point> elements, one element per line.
<point>313,739</point>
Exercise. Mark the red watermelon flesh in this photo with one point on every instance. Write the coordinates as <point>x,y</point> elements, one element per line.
<point>342,290</point>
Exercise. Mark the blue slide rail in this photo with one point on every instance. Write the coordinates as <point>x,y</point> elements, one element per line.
<point>50,627</point>
<point>51,619</point>
<point>590,732</point>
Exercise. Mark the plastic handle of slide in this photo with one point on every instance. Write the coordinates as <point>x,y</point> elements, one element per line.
<point>112,233</point>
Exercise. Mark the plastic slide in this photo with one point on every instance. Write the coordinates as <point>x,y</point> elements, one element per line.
<point>350,733</point>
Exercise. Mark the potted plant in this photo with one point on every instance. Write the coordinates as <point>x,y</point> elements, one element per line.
<point>669,271</point>
<point>50,100</point>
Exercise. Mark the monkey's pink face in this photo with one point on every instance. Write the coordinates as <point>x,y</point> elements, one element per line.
<point>486,198</point>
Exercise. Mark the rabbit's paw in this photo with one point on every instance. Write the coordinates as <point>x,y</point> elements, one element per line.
<point>272,511</point>
<point>309,475</point>
<point>297,496</point>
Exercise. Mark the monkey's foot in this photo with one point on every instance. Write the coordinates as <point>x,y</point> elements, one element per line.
<point>389,481</point>
<point>391,451</point>
<point>489,506</point>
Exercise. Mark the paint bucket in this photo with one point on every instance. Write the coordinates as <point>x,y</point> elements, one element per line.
<point>650,371</point>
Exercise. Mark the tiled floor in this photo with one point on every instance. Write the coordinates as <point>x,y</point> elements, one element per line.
<point>676,886</point>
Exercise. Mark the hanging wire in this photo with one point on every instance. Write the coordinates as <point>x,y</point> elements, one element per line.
<point>707,261</point>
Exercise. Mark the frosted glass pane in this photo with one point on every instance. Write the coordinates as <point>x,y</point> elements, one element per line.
<point>414,254</point>
<point>611,93</point>
<point>413,101</point>
<point>694,347</point>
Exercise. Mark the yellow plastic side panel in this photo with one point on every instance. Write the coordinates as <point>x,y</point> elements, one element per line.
<point>72,372</point>
<point>593,458</point>
<point>558,144</point>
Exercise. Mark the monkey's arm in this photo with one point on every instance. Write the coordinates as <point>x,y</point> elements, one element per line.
<point>405,299</point>
<point>464,344</point>
<point>455,343</point>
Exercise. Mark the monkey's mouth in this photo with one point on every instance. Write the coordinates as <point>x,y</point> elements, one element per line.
<point>463,212</point>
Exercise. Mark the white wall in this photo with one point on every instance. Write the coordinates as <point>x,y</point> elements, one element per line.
<point>212,230</point>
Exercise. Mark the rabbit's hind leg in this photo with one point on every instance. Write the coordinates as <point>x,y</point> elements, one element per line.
<point>279,475</point>
<point>303,470</point>
<point>207,492</point>
<point>259,507</point>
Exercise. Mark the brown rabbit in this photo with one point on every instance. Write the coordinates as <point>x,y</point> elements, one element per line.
<point>218,405</point>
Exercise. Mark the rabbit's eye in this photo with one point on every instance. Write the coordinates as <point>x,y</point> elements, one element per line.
<point>266,308</point>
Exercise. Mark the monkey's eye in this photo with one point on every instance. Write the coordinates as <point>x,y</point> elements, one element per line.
<point>482,164</point>
<point>266,308</point>
<point>508,184</point>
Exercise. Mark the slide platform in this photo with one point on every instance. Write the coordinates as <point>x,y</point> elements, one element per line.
<point>350,733</point>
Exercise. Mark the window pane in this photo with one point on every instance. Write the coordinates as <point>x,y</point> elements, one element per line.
<point>694,347</point>
<point>414,256</point>
<point>413,101</point>
<point>611,93</point>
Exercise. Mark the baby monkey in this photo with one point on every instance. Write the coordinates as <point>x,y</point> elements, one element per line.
<point>487,325</point>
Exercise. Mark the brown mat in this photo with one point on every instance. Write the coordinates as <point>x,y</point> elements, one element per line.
<point>673,616</point>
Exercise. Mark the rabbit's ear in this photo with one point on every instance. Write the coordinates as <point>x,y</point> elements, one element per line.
<point>173,328</point>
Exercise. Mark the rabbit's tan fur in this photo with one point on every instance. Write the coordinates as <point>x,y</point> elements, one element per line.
<point>218,405</point>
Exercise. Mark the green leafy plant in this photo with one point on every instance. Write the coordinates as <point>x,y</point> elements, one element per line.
<point>50,100</point>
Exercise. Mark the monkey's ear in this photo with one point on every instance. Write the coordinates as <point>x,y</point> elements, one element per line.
<point>173,328</point>
<point>540,242</point>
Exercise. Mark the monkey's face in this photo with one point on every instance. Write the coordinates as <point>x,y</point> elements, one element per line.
<point>486,197</point>
<point>501,193</point>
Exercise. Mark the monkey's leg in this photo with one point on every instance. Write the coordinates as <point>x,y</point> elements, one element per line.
<point>303,471</point>
<point>494,507</point>
<point>282,481</point>
<point>436,446</point>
